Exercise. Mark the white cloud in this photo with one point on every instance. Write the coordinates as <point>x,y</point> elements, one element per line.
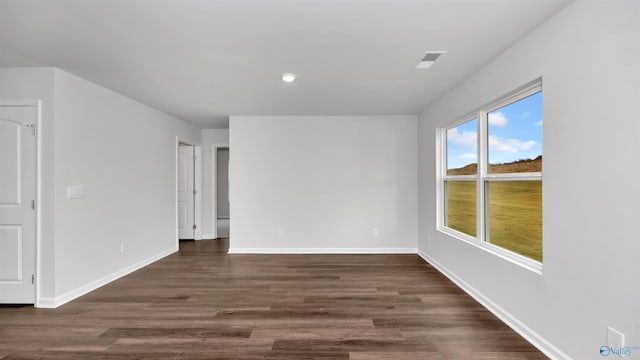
<point>498,119</point>
<point>509,145</point>
<point>466,138</point>
<point>538,123</point>
<point>466,156</point>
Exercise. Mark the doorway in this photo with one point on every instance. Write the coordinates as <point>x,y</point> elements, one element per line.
<point>222,212</point>
<point>188,199</point>
<point>18,202</point>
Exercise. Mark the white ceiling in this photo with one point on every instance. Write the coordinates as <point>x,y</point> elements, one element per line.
<point>203,60</point>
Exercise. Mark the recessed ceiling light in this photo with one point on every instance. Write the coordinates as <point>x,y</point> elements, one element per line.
<point>288,77</point>
<point>429,58</point>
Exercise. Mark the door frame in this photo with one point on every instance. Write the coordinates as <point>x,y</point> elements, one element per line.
<point>38,105</point>
<point>197,176</point>
<point>214,185</point>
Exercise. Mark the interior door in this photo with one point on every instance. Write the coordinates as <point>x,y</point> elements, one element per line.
<point>186,196</point>
<point>17,204</point>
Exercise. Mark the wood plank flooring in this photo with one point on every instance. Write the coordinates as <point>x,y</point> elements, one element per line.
<point>201,303</point>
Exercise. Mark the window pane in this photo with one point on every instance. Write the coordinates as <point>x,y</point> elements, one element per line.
<point>514,216</point>
<point>461,206</point>
<point>462,149</point>
<point>515,136</point>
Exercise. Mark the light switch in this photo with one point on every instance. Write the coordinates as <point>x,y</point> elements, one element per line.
<point>75,191</point>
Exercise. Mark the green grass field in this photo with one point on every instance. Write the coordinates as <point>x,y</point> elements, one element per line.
<point>461,206</point>
<point>514,213</point>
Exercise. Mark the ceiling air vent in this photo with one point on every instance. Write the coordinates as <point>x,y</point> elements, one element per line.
<point>429,58</point>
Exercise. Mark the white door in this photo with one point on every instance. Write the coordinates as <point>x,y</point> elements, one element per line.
<point>17,204</point>
<point>186,203</point>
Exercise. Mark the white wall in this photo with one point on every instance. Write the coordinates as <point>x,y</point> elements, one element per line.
<point>210,137</point>
<point>588,57</point>
<point>327,181</point>
<point>37,84</point>
<point>124,154</point>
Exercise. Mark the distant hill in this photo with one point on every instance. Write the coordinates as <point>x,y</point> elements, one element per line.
<point>523,165</point>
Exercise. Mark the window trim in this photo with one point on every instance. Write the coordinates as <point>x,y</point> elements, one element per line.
<point>441,173</point>
<point>482,177</point>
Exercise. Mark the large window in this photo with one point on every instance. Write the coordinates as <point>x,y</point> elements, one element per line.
<point>491,177</point>
<point>460,180</point>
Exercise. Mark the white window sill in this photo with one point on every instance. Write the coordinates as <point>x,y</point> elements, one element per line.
<point>505,254</point>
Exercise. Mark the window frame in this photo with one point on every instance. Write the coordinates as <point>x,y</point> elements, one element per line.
<point>445,177</point>
<point>483,177</point>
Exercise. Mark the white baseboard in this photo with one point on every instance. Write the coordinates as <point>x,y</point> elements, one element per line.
<point>46,303</point>
<point>208,237</point>
<point>74,294</point>
<point>322,250</point>
<point>533,337</point>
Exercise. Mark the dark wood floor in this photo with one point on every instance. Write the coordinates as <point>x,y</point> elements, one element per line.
<point>204,304</point>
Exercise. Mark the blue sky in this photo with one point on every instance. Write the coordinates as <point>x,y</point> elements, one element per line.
<point>515,132</point>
